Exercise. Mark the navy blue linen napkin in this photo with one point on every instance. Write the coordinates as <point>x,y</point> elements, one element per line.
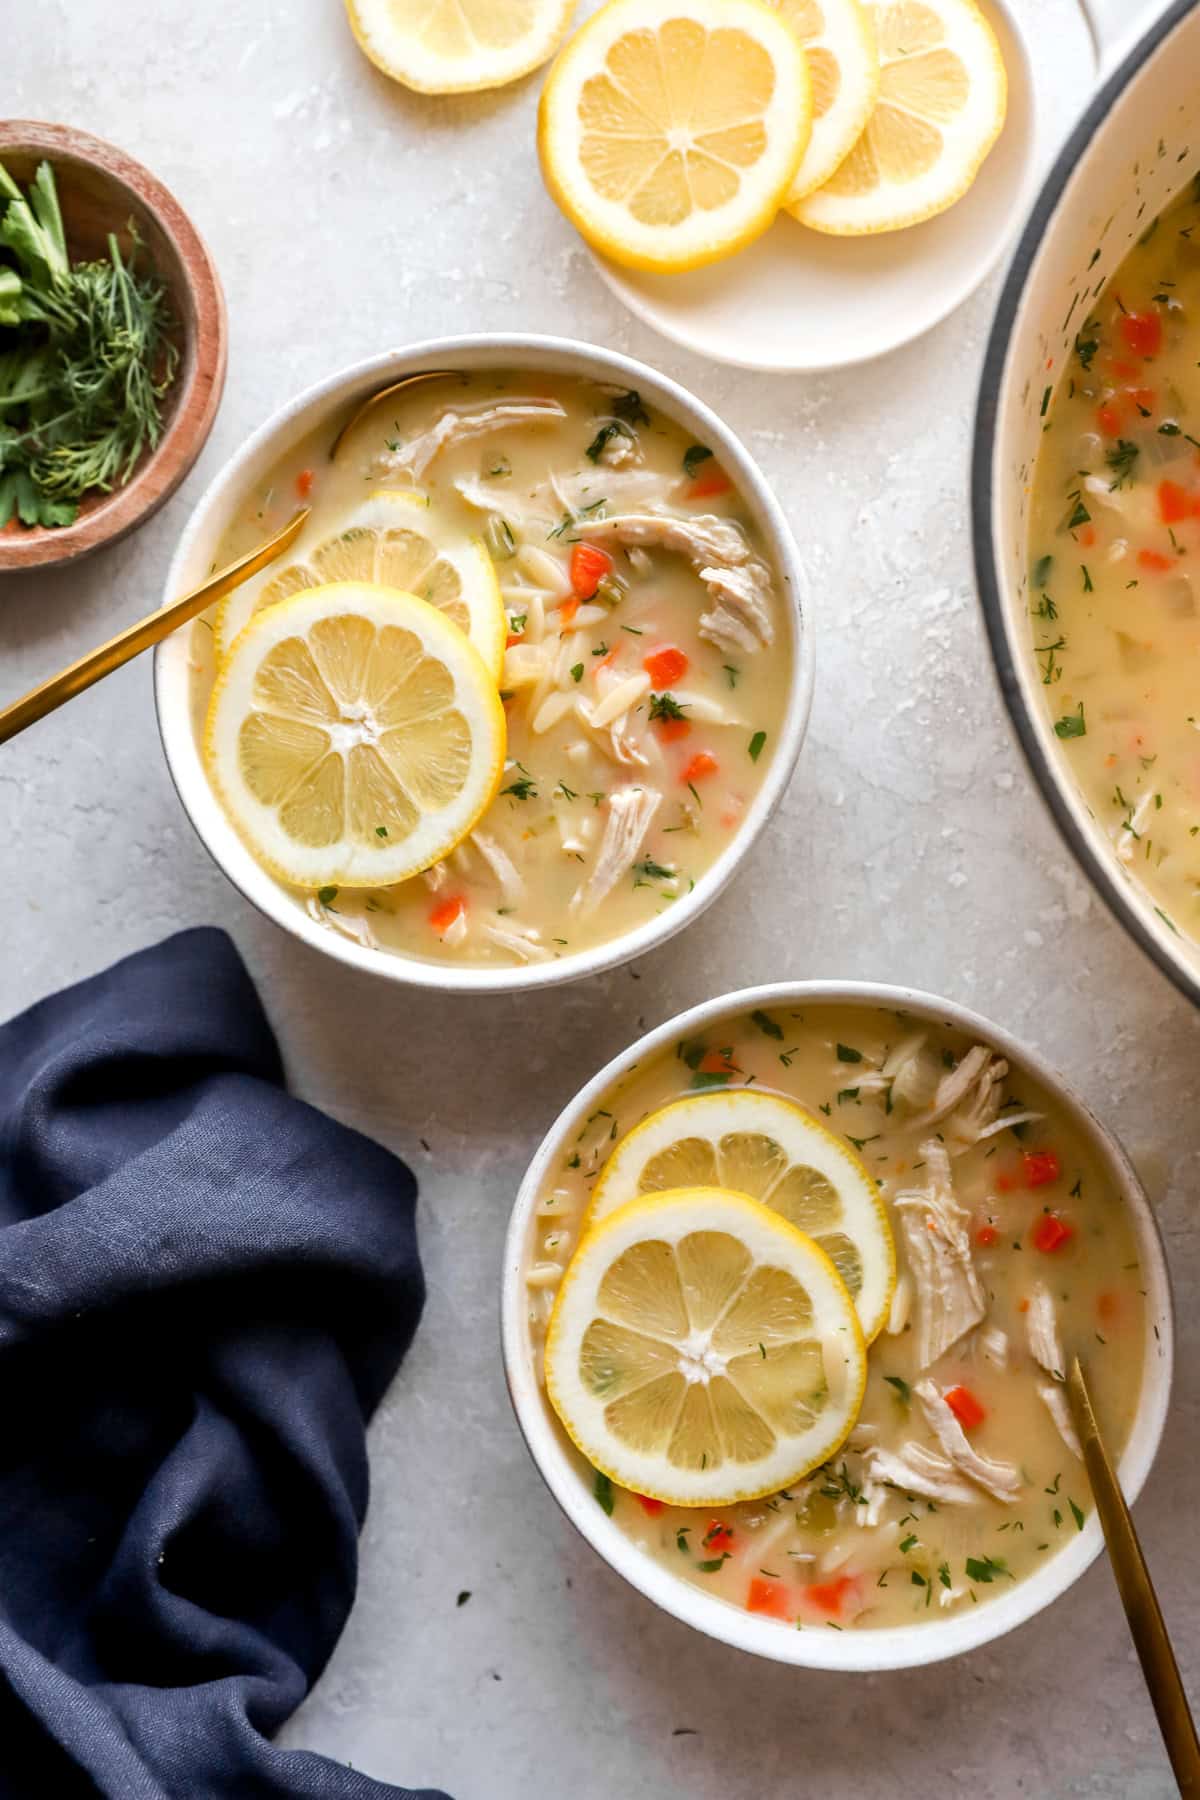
<point>205,1288</point>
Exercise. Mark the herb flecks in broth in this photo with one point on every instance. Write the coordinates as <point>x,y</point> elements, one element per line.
<point>645,672</point>
<point>1114,580</point>
<point>961,1475</point>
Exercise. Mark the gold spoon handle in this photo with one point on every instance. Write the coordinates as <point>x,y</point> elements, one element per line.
<point>138,637</point>
<point>1146,1625</point>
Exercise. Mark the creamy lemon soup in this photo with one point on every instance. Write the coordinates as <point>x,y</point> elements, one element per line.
<point>1114,582</point>
<point>611,577</point>
<point>961,1474</point>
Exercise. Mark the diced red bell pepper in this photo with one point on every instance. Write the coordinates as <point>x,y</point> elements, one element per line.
<point>445,912</point>
<point>650,1505</point>
<point>1041,1167</point>
<point>589,566</point>
<point>665,666</point>
<point>967,1409</point>
<point>702,764</point>
<point>304,483</point>
<point>719,1536</point>
<point>1142,332</point>
<point>770,1597</point>
<point>986,1236</point>
<point>1051,1233</point>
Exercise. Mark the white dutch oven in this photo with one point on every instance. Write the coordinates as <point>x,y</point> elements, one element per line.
<point>333,402</point>
<point>898,1647</point>
<point>1136,147</point>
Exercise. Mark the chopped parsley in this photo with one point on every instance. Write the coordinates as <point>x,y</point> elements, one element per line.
<point>766,1024</point>
<point>666,706</point>
<point>613,429</point>
<point>986,1568</point>
<point>693,456</point>
<point>602,1487</point>
<point>327,895</point>
<point>901,1386</point>
<point>756,745</point>
<point>1071,725</point>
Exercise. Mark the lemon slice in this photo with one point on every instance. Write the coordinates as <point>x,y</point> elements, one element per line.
<point>455,46</point>
<point>942,100</point>
<point>671,130</point>
<point>353,735</point>
<point>762,1145</point>
<point>394,539</point>
<point>702,1350</point>
<point>843,66</point>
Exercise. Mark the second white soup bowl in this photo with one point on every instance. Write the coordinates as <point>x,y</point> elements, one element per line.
<point>334,401</point>
<point>895,1647</point>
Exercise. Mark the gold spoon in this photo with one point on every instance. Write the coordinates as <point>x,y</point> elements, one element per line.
<point>1146,1625</point>
<point>152,629</point>
<point>373,400</point>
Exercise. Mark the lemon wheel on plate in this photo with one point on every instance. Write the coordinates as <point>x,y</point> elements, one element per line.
<point>843,66</point>
<point>457,46</point>
<point>702,1350</point>
<point>765,1146</point>
<point>392,538</point>
<point>670,131</point>
<point>354,736</point>
<point>941,107</point>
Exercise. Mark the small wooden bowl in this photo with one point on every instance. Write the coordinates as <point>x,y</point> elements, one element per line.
<point>102,190</point>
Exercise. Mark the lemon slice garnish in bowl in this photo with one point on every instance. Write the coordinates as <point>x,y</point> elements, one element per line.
<point>764,1146</point>
<point>670,131</point>
<point>941,106</point>
<point>702,1350</point>
<point>843,66</point>
<point>394,539</point>
<point>354,736</point>
<point>457,46</point>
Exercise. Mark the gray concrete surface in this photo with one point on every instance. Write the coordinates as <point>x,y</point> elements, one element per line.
<point>347,216</point>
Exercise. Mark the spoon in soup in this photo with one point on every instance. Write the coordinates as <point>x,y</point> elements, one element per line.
<point>1146,1624</point>
<point>93,667</point>
<point>373,400</point>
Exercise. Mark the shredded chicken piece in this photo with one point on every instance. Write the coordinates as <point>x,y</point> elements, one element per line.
<point>968,1123</point>
<point>630,812</point>
<point>1041,1323</point>
<point>999,1479</point>
<point>901,1307</point>
<point>351,925</point>
<point>512,885</point>
<point>1055,1402</point>
<point>738,581</point>
<point>934,1229</point>
<point>435,876</point>
<point>915,1470</point>
<point>994,1344</point>
<point>914,1071</point>
<point>521,941</point>
<point>955,1085</point>
<point>471,422</point>
<point>620,450</point>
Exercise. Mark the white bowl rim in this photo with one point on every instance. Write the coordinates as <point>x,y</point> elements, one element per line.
<point>481,350</point>
<point>897,1647</point>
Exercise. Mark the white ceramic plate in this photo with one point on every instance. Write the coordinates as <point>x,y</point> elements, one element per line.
<point>799,300</point>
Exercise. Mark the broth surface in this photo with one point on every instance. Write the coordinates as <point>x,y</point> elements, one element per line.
<point>1114,580</point>
<point>598,826</point>
<point>845,1547</point>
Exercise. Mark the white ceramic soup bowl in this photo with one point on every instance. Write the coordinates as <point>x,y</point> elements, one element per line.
<point>334,400</point>
<point>897,1647</point>
<point>1136,147</point>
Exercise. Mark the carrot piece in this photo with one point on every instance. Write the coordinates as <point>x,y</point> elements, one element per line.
<point>719,1535</point>
<point>589,565</point>
<point>702,764</point>
<point>1153,559</point>
<point>827,1596</point>
<point>717,1062</point>
<point>665,666</point>
<point>445,912</point>
<point>713,481</point>
<point>1040,1167</point>
<point>1108,1307</point>
<point>1109,420</point>
<point>986,1236</point>
<point>967,1409</point>
<point>1174,502</point>
<point>1088,536</point>
<point>1051,1233</point>
<point>514,637</point>
<point>671,730</point>
<point>770,1597</point>
<point>567,610</point>
<point>1142,333</point>
<point>304,483</point>
<point>649,1505</point>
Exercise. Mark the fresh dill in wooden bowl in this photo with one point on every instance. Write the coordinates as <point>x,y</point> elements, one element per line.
<point>112,344</point>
